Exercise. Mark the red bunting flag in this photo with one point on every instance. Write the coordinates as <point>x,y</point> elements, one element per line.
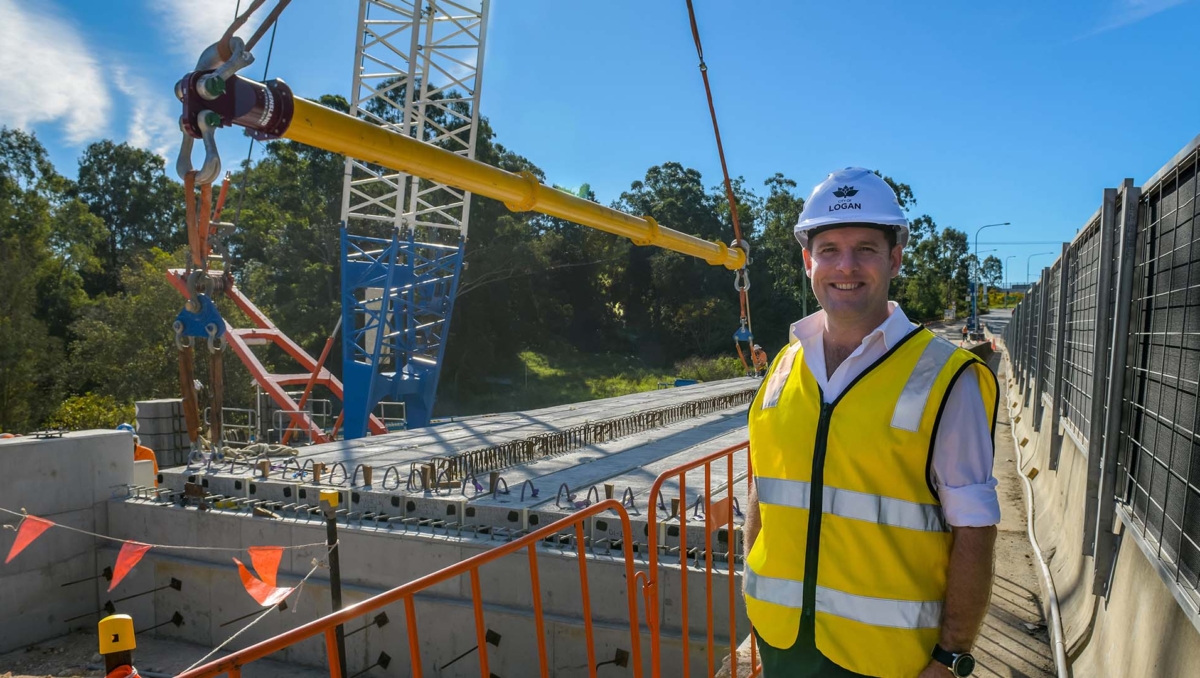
<point>262,592</point>
<point>31,528</point>
<point>265,560</point>
<point>127,559</point>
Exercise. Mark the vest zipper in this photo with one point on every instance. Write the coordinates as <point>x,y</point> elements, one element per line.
<point>813,543</point>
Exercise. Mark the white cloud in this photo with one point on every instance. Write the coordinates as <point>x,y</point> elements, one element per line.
<point>193,25</point>
<point>1125,12</point>
<point>48,74</point>
<point>152,124</point>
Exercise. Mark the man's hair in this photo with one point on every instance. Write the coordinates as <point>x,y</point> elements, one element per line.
<point>889,232</point>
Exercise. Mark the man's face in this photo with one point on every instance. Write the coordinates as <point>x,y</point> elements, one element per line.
<point>850,268</point>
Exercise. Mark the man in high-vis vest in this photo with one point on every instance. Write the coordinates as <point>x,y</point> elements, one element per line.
<point>872,519</point>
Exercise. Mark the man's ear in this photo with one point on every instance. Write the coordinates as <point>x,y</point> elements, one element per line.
<point>897,256</point>
<point>807,262</point>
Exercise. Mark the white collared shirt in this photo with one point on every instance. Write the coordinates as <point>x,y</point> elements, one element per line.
<point>963,450</point>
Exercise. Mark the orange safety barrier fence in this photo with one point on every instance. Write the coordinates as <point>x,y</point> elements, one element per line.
<point>233,663</point>
<point>717,514</point>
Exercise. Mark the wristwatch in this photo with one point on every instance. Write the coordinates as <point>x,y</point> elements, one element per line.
<point>961,664</point>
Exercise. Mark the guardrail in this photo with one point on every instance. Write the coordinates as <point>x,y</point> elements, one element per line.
<point>232,664</point>
<point>717,514</point>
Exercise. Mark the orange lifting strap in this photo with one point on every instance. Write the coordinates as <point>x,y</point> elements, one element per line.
<point>742,279</point>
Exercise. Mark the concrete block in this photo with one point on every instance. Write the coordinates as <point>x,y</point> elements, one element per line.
<point>37,607</point>
<point>446,630</point>
<point>162,407</point>
<point>450,508</point>
<point>158,426</point>
<point>57,475</point>
<point>194,601</point>
<point>514,518</point>
<point>391,638</point>
<point>273,490</point>
<point>229,486</point>
<point>364,500</point>
<point>385,561</point>
<point>672,603</point>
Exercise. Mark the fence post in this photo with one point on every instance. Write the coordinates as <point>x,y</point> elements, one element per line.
<point>1056,387</point>
<point>1031,367</point>
<point>1102,342</point>
<point>1031,343</point>
<point>1106,509</point>
<point>1026,340</point>
<point>1040,348</point>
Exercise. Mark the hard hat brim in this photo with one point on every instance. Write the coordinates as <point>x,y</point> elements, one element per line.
<point>815,226</point>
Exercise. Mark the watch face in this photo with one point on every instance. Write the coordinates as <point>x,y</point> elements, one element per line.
<point>964,665</point>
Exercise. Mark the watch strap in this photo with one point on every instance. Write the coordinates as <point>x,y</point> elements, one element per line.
<point>944,656</point>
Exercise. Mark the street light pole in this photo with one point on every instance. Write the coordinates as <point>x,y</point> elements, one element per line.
<point>1007,280</point>
<point>975,292</point>
<point>1030,258</point>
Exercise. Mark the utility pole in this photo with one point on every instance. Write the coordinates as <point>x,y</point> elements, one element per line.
<point>974,324</point>
<point>1007,283</point>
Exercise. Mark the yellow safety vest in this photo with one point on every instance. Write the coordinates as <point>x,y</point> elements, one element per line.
<point>868,569</point>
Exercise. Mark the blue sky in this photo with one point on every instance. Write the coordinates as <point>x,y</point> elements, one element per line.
<point>1017,111</point>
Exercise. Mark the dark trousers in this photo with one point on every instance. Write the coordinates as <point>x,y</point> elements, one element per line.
<point>801,660</point>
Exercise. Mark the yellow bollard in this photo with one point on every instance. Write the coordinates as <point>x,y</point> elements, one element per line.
<point>117,644</point>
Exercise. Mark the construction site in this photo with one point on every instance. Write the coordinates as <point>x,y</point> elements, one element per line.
<point>337,524</point>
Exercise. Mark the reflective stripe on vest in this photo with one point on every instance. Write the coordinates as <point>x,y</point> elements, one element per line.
<point>911,405</point>
<point>901,614</point>
<point>849,504</point>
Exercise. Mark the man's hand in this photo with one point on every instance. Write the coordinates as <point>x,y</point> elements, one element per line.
<point>935,669</point>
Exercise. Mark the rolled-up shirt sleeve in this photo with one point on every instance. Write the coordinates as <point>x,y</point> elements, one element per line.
<point>963,453</point>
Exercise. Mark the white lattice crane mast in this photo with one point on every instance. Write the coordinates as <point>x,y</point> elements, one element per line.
<point>418,71</point>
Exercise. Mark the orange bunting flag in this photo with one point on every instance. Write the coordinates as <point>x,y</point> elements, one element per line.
<point>262,592</point>
<point>127,559</point>
<point>265,560</point>
<point>31,528</point>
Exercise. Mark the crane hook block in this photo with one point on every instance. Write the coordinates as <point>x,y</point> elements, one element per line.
<point>265,109</point>
<point>196,323</point>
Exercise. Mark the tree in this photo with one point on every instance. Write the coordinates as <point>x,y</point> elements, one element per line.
<point>46,241</point>
<point>780,289</point>
<point>991,273</point>
<point>141,207</point>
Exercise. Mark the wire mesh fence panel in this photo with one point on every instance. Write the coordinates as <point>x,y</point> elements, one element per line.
<point>1080,331</point>
<point>1050,345</point>
<point>1035,331</point>
<point>1159,449</point>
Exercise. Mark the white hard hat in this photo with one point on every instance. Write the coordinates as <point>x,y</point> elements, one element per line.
<point>852,196</point>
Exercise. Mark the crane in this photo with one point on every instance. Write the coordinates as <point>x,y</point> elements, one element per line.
<point>408,141</point>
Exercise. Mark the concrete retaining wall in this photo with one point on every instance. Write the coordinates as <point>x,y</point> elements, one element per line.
<point>1139,630</point>
<point>68,480</point>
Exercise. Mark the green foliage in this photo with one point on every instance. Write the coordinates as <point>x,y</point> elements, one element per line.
<point>547,311</point>
<point>709,369</point>
<point>90,411</point>
<point>128,189</point>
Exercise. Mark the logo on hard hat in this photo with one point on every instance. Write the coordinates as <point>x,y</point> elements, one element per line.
<point>844,194</point>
